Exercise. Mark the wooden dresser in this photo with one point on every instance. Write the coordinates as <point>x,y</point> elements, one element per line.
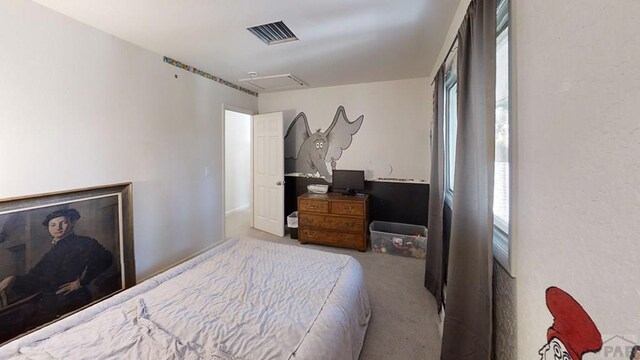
<point>334,219</point>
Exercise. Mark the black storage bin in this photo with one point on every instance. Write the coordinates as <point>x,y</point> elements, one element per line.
<point>292,224</point>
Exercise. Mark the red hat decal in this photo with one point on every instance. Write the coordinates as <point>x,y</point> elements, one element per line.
<point>571,324</point>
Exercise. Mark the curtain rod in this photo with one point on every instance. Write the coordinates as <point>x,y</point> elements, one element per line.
<point>453,43</point>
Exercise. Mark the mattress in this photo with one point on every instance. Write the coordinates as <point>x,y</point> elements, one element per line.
<point>244,299</point>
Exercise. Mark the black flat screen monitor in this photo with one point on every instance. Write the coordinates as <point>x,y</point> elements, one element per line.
<point>348,181</point>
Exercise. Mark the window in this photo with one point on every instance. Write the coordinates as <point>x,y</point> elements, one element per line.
<point>501,206</point>
<point>450,125</point>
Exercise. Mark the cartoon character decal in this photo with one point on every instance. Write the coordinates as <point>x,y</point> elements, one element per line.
<point>573,333</point>
<point>309,153</point>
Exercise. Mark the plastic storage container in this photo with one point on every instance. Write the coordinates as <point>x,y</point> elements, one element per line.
<point>399,239</point>
<point>292,224</point>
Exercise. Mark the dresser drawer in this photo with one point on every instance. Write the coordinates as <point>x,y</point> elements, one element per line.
<point>339,223</point>
<point>312,205</point>
<point>351,240</point>
<point>347,208</point>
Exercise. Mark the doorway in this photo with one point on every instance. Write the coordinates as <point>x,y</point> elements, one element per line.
<point>238,174</point>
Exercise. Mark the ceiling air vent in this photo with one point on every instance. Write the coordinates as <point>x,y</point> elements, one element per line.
<point>274,33</point>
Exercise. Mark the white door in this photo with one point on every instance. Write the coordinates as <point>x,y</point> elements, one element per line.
<point>268,173</point>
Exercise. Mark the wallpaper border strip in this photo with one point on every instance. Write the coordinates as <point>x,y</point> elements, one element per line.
<point>205,74</point>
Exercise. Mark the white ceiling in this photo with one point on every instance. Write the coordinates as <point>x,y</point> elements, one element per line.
<point>341,41</point>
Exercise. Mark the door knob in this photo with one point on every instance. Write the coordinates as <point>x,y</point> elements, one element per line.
<point>279,183</point>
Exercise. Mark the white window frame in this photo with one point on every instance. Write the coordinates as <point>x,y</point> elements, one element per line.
<point>503,241</point>
<point>450,81</point>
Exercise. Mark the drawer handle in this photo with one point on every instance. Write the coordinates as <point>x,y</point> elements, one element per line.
<point>309,235</point>
<point>350,224</point>
<point>313,206</point>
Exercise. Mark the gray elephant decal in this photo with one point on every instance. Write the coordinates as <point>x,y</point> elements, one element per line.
<point>309,153</point>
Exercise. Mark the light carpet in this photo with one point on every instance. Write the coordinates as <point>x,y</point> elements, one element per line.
<point>403,321</point>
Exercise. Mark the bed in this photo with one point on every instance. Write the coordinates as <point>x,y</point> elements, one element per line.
<point>245,299</point>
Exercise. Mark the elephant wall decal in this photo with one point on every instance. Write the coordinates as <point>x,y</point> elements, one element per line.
<point>309,153</point>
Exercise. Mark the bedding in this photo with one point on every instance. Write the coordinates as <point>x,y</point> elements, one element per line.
<point>245,299</point>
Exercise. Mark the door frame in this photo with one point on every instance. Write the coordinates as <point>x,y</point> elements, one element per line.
<point>225,108</point>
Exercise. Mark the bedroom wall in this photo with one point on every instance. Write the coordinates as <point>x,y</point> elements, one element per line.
<point>393,140</point>
<point>80,108</point>
<point>578,166</point>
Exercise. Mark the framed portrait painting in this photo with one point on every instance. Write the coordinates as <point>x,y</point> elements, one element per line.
<point>61,252</point>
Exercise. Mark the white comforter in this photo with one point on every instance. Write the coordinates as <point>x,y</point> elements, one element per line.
<point>245,299</point>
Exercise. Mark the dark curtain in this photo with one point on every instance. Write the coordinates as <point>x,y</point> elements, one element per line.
<point>468,321</point>
<point>434,272</point>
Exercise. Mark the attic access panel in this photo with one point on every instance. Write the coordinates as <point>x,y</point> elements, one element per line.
<point>275,82</point>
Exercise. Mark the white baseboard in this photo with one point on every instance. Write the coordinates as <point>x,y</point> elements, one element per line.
<point>237,210</point>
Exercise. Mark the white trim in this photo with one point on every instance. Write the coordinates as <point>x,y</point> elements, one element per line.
<point>513,143</point>
<point>223,189</point>
<point>398,180</point>
<point>408,181</point>
<point>504,245</point>
<point>501,249</point>
<point>237,109</point>
<point>237,210</point>
<point>450,81</point>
